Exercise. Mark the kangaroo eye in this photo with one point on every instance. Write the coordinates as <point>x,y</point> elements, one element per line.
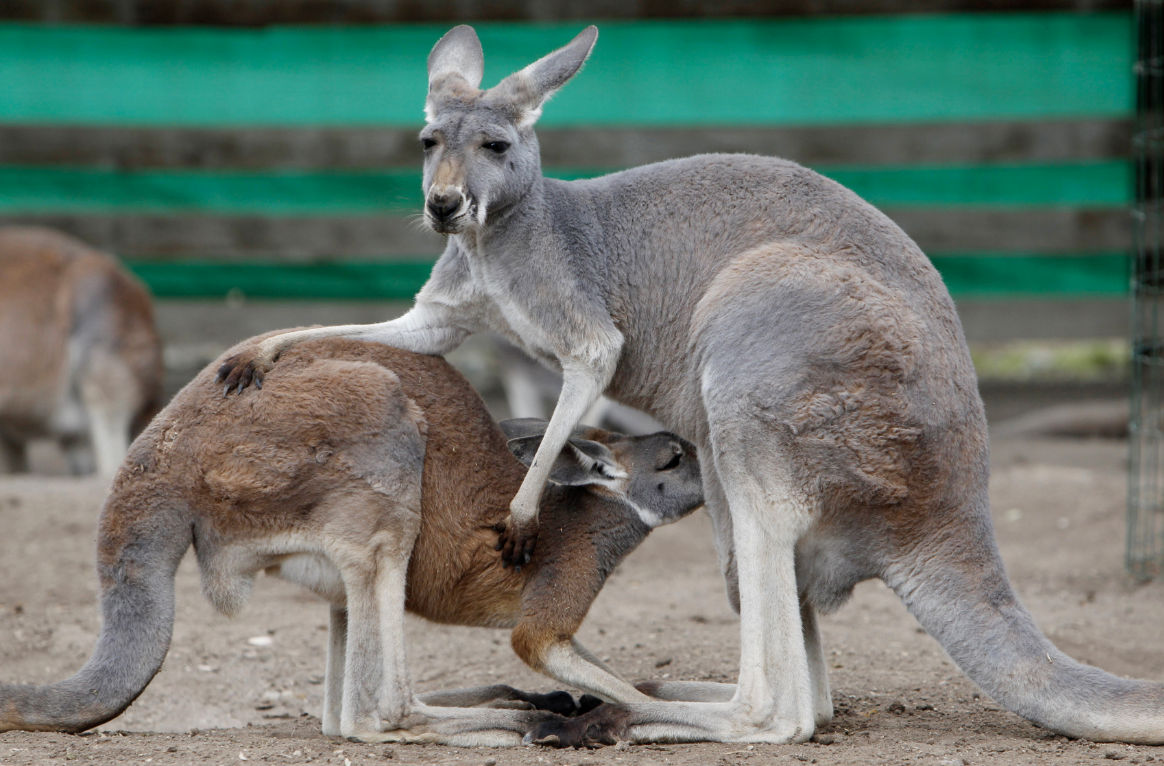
<point>427,143</point>
<point>497,147</point>
<point>673,462</point>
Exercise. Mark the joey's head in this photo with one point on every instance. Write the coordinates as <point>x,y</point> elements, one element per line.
<point>656,476</point>
<point>480,152</point>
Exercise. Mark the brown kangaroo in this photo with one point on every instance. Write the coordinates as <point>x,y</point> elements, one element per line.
<point>82,361</point>
<point>375,478</point>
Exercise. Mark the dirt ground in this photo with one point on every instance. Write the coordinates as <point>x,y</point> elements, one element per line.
<point>224,697</point>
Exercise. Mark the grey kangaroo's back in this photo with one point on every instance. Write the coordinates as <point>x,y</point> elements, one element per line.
<point>673,232</point>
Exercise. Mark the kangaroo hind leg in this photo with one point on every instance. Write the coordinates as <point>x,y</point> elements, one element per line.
<point>708,691</point>
<point>769,516</point>
<point>376,694</point>
<point>818,669</point>
<point>110,394</point>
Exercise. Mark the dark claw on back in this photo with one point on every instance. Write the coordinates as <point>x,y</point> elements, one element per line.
<point>236,375</point>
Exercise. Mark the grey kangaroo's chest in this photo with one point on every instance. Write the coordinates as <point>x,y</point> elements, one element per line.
<point>520,323</point>
<point>539,307</point>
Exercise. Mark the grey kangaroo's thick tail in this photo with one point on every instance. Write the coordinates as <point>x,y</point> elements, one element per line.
<point>138,551</point>
<point>956,587</point>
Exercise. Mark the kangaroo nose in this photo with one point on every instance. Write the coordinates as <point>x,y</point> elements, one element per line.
<point>444,205</point>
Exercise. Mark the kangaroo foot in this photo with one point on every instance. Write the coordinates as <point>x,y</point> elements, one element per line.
<point>374,737</point>
<point>603,726</point>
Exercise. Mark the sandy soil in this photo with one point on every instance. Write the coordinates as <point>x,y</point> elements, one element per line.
<point>219,699</point>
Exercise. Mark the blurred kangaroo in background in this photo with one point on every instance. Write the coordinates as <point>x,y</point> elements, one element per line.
<point>529,386</point>
<point>800,339</point>
<point>375,478</point>
<point>82,362</point>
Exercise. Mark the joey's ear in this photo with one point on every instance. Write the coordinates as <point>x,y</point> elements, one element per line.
<point>581,461</point>
<point>530,88</point>
<point>456,61</point>
<point>515,428</point>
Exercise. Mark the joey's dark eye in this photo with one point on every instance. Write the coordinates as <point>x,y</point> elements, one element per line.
<point>427,143</point>
<point>673,462</point>
<point>497,147</point>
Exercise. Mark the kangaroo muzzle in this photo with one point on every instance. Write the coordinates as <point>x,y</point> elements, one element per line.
<point>442,207</point>
<point>446,210</point>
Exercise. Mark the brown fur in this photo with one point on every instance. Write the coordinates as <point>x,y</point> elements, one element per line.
<point>79,346</point>
<point>359,455</point>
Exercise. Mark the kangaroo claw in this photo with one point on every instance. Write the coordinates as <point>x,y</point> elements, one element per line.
<point>240,371</point>
<point>517,544</point>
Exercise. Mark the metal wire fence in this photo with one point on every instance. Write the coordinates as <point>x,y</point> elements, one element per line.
<point>1145,551</point>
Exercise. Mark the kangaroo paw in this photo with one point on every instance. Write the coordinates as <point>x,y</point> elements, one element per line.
<point>241,370</point>
<point>516,543</point>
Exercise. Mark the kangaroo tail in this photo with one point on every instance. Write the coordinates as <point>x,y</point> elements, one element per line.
<point>139,546</point>
<point>956,587</point>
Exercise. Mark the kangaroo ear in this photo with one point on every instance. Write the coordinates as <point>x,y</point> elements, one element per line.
<point>581,461</point>
<point>530,88</point>
<point>515,428</point>
<point>456,63</point>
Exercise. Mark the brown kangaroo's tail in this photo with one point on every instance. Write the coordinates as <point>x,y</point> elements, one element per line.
<point>139,545</point>
<point>956,587</point>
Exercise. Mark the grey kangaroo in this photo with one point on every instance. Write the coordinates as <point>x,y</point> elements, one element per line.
<point>375,478</point>
<point>806,346</point>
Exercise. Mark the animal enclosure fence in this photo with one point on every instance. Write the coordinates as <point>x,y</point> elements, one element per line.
<point>1145,552</point>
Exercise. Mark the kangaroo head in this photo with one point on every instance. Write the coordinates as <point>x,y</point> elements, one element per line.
<point>657,474</point>
<point>480,152</point>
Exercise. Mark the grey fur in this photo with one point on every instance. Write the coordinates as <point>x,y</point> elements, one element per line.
<point>810,350</point>
<point>457,54</point>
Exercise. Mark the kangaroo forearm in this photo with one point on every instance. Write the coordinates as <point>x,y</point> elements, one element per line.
<point>421,331</point>
<point>579,392</point>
